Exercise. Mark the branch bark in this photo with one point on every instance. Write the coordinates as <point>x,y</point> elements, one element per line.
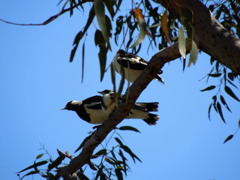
<point>210,36</point>
<point>157,62</point>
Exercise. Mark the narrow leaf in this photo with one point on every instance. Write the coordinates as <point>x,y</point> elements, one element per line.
<point>129,151</point>
<point>182,42</point>
<point>209,111</point>
<point>34,165</point>
<point>110,161</point>
<point>109,4</point>
<point>193,54</point>
<point>30,173</point>
<point>118,141</point>
<point>130,128</point>
<point>143,27</point>
<point>224,103</point>
<point>219,109</point>
<point>215,75</point>
<point>208,88</point>
<point>80,34</point>
<point>119,174</point>
<point>83,142</point>
<point>100,14</point>
<point>55,163</point>
<point>39,156</point>
<point>113,77</point>
<point>164,23</point>
<point>83,60</point>
<point>230,93</point>
<point>228,138</point>
<point>99,153</point>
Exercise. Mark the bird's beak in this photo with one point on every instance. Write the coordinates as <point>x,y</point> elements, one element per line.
<point>100,92</point>
<point>63,108</point>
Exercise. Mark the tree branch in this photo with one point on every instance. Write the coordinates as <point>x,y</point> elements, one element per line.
<point>156,63</point>
<point>52,18</point>
<point>210,36</point>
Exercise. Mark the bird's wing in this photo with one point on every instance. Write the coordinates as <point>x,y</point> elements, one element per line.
<point>138,107</point>
<point>94,106</point>
<point>92,100</point>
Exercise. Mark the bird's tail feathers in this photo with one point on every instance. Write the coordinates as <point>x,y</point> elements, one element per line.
<point>152,119</point>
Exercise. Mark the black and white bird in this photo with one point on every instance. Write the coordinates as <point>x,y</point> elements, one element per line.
<point>89,110</point>
<point>130,65</point>
<point>140,110</point>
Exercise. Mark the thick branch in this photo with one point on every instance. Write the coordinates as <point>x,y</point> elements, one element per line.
<point>210,35</point>
<point>156,63</point>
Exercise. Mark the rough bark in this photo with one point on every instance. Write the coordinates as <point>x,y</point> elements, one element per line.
<point>156,63</point>
<point>211,37</point>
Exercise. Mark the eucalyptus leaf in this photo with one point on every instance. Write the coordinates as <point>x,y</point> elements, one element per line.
<point>129,128</point>
<point>219,109</point>
<point>228,138</point>
<point>193,54</point>
<point>182,42</point>
<point>225,103</point>
<point>229,91</point>
<point>34,165</point>
<point>208,88</point>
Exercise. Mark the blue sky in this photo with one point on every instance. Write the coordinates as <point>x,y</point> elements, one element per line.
<point>37,80</point>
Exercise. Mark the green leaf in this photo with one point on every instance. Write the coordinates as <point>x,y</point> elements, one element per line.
<point>230,93</point>
<point>34,165</point>
<point>109,4</point>
<point>113,77</point>
<point>209,111</point>
<point>110,161</point>
<point>100,14</point>
<point>219,109</point>
<point>208,88</point>
<point>39,156</point>
<point>82,144</point>
<point>80,34</point>
<point>130,128</point>
<point>99,153</point>
<point>228,138</point>
<point>83,60</point>
<point>215,75</point>
<point>129,151</point>
<point>119,174</point>
<point>102,55</point>
<point>224,103</point>
<point>118,141</point>
<point>124,160</point>
<point>30,173</point>
<point>56,162</point>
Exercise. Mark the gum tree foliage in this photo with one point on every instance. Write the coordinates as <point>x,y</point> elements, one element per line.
<point>214,26</point>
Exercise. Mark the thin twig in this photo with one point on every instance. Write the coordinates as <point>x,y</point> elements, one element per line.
<point>52,18</point>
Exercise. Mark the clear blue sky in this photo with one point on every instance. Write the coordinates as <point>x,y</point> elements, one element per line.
<point>37,80</point>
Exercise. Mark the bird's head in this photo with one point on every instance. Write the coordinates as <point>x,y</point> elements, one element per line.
<point>72,105</point>
<point>106,91</point>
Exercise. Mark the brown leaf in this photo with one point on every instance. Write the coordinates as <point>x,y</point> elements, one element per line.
<point>164,23</point>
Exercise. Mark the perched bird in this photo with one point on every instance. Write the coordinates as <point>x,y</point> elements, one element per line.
<point>89,110</point>
<point>138,111</point>
<point>130,65</point>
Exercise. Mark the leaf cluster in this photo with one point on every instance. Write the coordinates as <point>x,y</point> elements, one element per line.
<point>106,163</point>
